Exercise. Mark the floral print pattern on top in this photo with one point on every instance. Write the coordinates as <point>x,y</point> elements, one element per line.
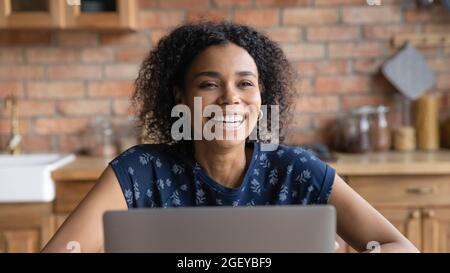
<point>159,175</point>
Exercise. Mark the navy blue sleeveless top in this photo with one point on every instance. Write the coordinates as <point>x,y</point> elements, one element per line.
<point>159,175</point>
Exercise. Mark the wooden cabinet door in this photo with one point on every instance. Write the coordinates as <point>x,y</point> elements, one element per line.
<point>407,221</point>
<point>52,14</point>
<point>22,241</point>
<point>124,17</point>
<point>436,230</point>
<point>25,227</point>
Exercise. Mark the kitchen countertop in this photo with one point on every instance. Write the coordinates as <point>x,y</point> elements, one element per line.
<point>383,163</point>
<point>393,163</point>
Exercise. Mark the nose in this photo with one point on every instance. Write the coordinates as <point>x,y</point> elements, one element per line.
<point>229,95</point>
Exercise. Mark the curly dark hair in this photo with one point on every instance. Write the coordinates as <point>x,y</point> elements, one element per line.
<point>165,66</point>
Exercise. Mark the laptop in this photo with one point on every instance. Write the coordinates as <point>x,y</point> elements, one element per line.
<point>258,229</point>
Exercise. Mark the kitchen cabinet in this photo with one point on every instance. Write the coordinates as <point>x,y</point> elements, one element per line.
<point>121,14</point>
<point>32,14</point>
<point>418,206</point>
<point>412,190</point>
<point>69,14</point>
<point>25,227</point>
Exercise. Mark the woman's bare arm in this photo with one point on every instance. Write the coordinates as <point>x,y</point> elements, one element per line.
<point>358,223</point>
<point>84,226</point>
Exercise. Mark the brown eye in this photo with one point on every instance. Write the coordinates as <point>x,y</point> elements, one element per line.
<point>246,84</point>
<point>208,85</point>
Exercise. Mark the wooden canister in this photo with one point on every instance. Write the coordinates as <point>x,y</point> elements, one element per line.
<point>404,138</point>
<point>446,134</point>
<point>427,123</point>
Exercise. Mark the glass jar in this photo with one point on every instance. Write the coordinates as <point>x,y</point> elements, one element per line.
<point>380,134</point>
<point>359,130</point>
<point>102,138</point>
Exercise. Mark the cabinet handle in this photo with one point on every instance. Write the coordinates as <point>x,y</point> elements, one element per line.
<point>415,214</point>
<point>420,190</point>
<point>428,213</point>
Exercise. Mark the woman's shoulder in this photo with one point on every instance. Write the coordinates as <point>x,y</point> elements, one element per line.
<point>285,153</point>
<point>298,159</point>
<point>143,154</point>
<point>303,167</point>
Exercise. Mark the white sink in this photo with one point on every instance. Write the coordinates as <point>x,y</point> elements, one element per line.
<point>27,178</point>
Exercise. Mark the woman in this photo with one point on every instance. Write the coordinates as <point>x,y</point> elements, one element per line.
<point>235,68</point>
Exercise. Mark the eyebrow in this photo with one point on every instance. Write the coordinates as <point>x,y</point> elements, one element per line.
<point>214,74</point>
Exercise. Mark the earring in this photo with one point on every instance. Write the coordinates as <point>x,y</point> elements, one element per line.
<point>260,115</point>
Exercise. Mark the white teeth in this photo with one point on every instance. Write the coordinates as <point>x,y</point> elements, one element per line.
<point>229,119</point>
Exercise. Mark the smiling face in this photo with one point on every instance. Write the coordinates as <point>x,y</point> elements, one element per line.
<point>225,76</point>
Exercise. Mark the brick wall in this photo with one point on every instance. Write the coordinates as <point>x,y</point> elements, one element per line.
<point>65,78</point>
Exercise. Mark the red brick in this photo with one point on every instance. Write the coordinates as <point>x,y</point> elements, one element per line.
<point>326,67</point>
<point>21,72</point>
<point>435,14</point>
<point>75,72</point>
<point>300,122</point>
<point>447,51</point>
<point>232,3</point>
<point>156,35</point>
<point>323,121</point>
<point>210,15</point>
<point>30,108</point>
<point>309,16</point>
<point>97,55</point>
<point>367,66</point>
<point>281,3</point>
<point>371,15</point>
<point>304,86</point>
<point>387,31</point>
<point>76,39</point>
<point>124,39</point>
<point>317,104</point>
<point>257,18</point>
<point>304,51</point>
<point>83,107</point>
<point>294,137</point>
<point>33,143</point>
<point>121,71</point>
<point>146,4</point>
<point>24,37</point>
<point>5,126</point>
<point>8,88</point>
<point>161,19</point>
<point>337,2</point>
<point>55,89</point>
<point>362,100</point>
<point>73,143</point>
<point>443,81</point>
<point>285,34</point>
<point>354,50</point>
<point>52,55</point>
<point>439,64</point>
<point>11,55</point>
<point>49,126</point>
<point>333,33</point>
<point>337,85</point>
<point>131,54</point>
<point>122,107</point>
<point>111,89</point>
<point>433,28</point>
<point>184,4</point>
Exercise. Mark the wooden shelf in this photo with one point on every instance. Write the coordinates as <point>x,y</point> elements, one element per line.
<point>63,16</point>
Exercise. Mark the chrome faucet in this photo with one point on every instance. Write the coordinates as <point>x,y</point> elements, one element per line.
<point>15,139</point>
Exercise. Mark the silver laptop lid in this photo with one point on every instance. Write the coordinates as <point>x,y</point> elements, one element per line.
<point>259,229</point>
